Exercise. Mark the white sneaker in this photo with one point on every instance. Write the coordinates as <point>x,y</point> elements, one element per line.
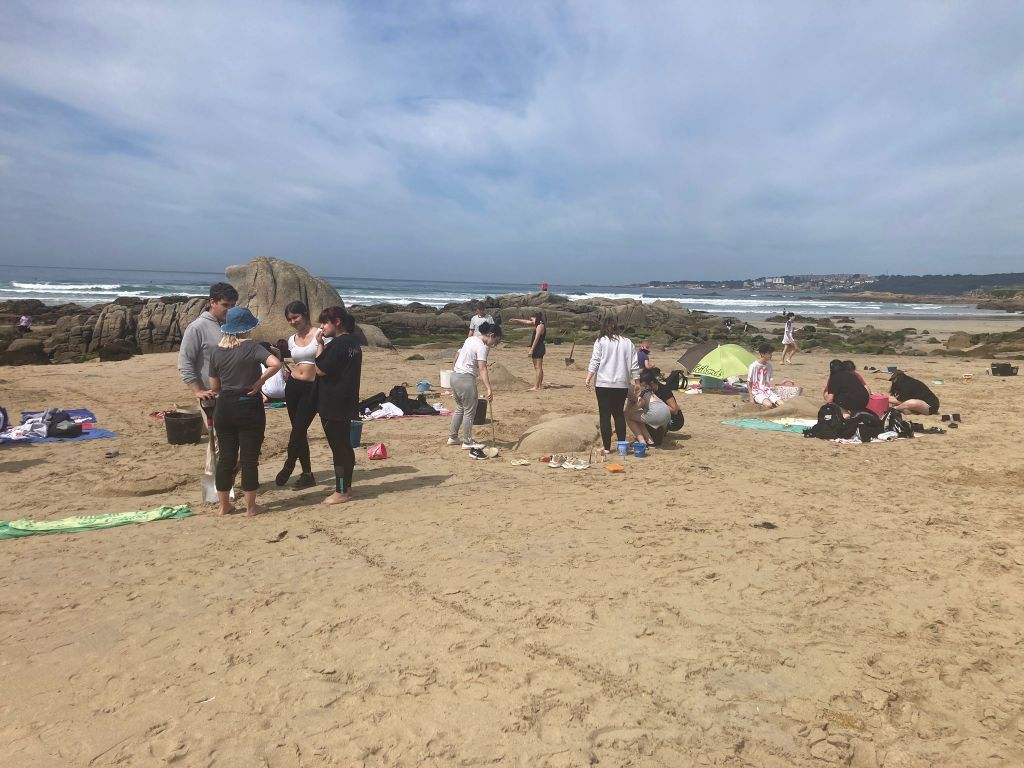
<point>469,446</point>
<point>453,441</point>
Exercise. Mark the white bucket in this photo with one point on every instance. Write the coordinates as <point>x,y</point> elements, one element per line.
<point>446,379</point>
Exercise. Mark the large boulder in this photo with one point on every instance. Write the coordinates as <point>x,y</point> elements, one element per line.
<point>266,286</point>
<point>372,336</point>
<point>115,323</point>
<point>24,352</point>
<point>563,434</point>
<point>958,340</point>
<point>161,324</point>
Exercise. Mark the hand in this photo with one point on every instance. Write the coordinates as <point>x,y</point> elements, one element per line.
<point>206,394</point>
<point>319,335</point>
<point>588,383</point>
<point>257,389</point>
<point>489,396</point>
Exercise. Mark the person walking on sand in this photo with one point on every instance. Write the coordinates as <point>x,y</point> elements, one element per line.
<point>237,378</point>
<point>789,347</point>
<point>482,316</point>
<point>470,365</point>
<point>759,379</point>
<point>339,366</point>
<point>300,394</point>
<point>537,347</point>
<point>612,369</point>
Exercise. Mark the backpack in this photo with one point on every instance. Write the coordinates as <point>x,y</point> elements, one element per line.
<point>893,421</point>
<point>676,380</point>
<point>372,403</point>
<point>399,396</point>
<point>866,424</point>
<point>830,424</point>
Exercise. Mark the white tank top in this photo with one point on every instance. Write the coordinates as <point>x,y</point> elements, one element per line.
<point>307,354</point>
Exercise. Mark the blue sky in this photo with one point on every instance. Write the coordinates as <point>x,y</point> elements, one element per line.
<point>567,141</point>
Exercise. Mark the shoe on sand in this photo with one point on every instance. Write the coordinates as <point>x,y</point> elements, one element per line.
<point>472,446</point>
<point>477,453</point>
<point>557,460</point>
<point>453,441</point>
<point>574,463</point>
<point>305,480</point>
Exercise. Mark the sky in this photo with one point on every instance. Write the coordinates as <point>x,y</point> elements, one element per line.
<point>571,141</point>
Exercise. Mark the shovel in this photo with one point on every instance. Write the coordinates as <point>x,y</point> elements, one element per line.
<point>569,360</point>
<point>491,451</point>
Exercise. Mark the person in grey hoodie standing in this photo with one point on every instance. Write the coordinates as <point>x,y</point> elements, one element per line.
<point>201,337</point>
<point>614,367</point>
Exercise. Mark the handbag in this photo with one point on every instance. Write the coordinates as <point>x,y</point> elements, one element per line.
<point>377,451</point>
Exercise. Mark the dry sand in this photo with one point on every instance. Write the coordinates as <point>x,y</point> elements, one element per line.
<point>467,612</point>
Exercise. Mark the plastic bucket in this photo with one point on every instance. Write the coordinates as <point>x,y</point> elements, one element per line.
<point>891,368</point>
<point>623,447</point>
<point>878,404</point>
<point>183,428</point>
<point>355,433</point>
<point>446,379</point>
<point>480,417</point>
<point>640,449</point>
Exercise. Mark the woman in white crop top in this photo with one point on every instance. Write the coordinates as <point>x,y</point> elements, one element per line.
<point>300,394</point>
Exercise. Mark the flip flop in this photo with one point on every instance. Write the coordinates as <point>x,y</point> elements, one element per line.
<point>519,462</point>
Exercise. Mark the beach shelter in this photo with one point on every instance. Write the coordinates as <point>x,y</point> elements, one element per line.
<point>724,361</point>
<point>695,354</point>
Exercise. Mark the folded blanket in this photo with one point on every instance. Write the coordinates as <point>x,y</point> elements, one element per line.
<point>17,528</point>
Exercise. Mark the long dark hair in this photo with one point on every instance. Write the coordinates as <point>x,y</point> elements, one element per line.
<point>296,308</point>
<point>537,315</point>
<point>609,327</point>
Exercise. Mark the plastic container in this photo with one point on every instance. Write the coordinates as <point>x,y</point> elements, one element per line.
<point>480,417</point>
<point>891,368</point>
<point>355,433</point>
<point>878,404</point>
<point>1004,369</point>
<point>446,379</point>
<point>183,428</point>
<point>640,450</point>
<point>623,447</point>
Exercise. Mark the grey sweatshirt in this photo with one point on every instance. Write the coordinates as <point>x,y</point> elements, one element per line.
<point>197,344</point>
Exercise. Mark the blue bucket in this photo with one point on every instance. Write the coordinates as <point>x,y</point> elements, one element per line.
<point>356,433</point>
<point>640,450</point>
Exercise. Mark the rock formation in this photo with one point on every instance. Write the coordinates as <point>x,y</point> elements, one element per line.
<point>266,286</point>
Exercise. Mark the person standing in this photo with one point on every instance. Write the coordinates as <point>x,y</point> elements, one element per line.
<point>537,347</point>
<point>339,366</point>
<point>789,347</point>
<point>300,394</point>
<point>612,370</point>
<point>470,365</point>
<point>482,316</point>
<point>236,377</point>
<point>201,337</point>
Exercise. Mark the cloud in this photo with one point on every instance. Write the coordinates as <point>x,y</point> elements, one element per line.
<point>606,140</point>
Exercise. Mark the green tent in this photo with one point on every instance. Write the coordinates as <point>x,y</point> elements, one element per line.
<point>723,362</point>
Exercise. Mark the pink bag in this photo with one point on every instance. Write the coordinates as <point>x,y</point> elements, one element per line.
<point>878,404</point>
<point>377,451</point>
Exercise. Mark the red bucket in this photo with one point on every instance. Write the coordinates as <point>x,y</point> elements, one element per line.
<point>878,404</point>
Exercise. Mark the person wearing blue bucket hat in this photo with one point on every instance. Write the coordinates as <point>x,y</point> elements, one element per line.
<point>237,376</point>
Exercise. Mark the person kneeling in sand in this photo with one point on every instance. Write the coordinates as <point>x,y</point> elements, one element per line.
<point>240,421</point>
<point>759,379</point>
<point>910,395</point>
<point>645,411</point>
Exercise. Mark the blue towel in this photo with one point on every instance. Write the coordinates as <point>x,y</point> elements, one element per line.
<point>77,414</point>
<point>773,426</point>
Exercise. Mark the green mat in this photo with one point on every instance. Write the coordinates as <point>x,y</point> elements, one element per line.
<point>14,529</point>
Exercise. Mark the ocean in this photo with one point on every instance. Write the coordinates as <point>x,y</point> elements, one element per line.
<point>87,285</point>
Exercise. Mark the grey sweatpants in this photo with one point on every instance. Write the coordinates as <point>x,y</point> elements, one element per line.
<point>464,389</point>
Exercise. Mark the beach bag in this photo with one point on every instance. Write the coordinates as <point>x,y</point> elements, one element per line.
<point>893,421</point>
<point>675,423</point>
<point>676,380</point>
<point>866,424</point>
<point>372,403</point>
<point>399,396</point>
<point>377,452</point>
<point>830,424</point>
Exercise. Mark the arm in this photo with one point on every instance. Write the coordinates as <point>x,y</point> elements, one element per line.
<point>215,385</point>
<point>481,365</point>
<point>634,366</point>
<point>521,320</point>
<point>191,347</point>
<point>595,363</point>
<point>273,366</point>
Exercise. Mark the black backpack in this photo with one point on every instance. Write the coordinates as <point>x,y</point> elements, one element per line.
<point>893,421</point>
<point>830,424</point>
<point>399,396</point>
<point>864,423</point>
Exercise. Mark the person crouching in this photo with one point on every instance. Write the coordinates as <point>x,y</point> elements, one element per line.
<point>237,379</point>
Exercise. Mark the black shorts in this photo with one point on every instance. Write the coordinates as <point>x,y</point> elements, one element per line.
<point>538,351</point>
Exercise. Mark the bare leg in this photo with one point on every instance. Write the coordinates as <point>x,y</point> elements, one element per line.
<point>251,508</point>
<point>226,507</point>
<point>913,406</point>
<point>538,369</point>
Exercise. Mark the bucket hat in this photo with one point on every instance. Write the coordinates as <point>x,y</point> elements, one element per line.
<point>239,320</point>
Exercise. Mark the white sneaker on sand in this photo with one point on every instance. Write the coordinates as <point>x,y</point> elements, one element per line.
<point>453,441</point>
<point>468,446</point>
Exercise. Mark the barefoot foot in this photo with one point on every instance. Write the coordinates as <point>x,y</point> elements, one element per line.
<point>228,510</point>
<point>255,510</point>
<point>337,498</point>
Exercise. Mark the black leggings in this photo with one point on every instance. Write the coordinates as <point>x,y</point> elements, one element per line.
<point>611,403</point>
<point>300,398</point>
<point>240,423</point>
<point>339,437</point>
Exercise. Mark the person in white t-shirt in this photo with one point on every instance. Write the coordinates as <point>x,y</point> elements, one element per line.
<point>789,347</point>
<point>759,379</point>
<point>481,317</point>
<point>471,364</point>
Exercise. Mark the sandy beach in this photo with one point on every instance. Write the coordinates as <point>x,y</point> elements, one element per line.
<point>738,598</point>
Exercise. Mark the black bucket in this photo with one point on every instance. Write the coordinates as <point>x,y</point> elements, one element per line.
<point>480,417</point>
<point>183,428</point>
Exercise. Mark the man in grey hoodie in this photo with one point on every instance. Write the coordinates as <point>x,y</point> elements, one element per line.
<point>201,337</point>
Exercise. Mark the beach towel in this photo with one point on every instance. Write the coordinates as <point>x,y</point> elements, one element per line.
<point>14,529</point>
<point>784,424</point>
<point>78,415</point>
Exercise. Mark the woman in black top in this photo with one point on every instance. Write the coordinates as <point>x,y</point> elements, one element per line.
<point>237,378</point>
<point>845,389</point>
<point>909,395</point>
<point>537,347</point>
<point>338,368</point>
